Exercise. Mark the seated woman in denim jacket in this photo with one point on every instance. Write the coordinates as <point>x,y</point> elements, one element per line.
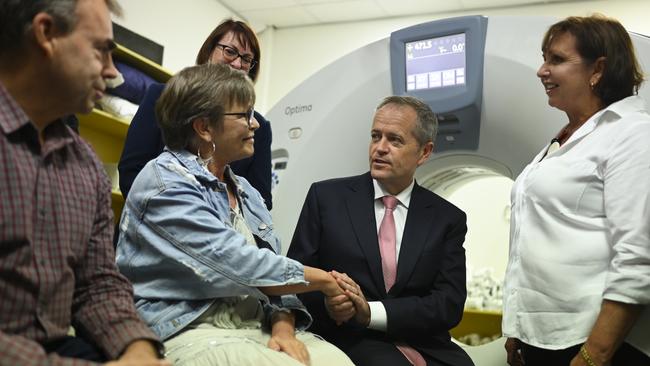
<point>197,241</point>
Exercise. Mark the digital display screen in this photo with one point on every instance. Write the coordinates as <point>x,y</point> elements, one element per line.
<point>435,62</point>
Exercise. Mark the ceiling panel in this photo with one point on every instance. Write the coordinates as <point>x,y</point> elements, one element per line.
<point>281,16</point>
<point>418,7</point>
<point>477,4</point>
<point>242,5</point>
<point>311,2</point>
<point>346,11</point>
<point>288,13</point>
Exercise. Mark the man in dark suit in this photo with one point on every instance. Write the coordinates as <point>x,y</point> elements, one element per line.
<point>400,259</point>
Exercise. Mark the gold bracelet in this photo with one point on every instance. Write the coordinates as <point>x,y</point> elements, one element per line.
<point>586,357</point>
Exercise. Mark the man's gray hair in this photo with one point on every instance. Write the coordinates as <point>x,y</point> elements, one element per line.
<point>203,91</point>
<point>16,19</point>
<point>426,126</point>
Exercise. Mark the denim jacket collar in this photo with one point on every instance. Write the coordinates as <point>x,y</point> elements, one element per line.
<point>190,162</point>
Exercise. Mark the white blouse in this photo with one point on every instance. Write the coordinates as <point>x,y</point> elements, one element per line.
<point>580,232</point>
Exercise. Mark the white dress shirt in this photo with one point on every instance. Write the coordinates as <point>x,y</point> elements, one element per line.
<point>580,232</point>
<point>378,318</point>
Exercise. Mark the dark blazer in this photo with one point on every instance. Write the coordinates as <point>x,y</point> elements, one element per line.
<point>337,231</point>
<point>144,143</point>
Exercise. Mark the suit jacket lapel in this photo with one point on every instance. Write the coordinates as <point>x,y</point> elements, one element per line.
<point>419,219</point>
<point>360,204</point>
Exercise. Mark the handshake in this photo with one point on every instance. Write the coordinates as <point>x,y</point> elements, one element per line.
<point>344,300</point>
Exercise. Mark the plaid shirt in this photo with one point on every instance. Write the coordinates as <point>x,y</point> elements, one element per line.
<point>57,265</point>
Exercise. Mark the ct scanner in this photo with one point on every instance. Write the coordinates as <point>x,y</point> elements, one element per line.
<point>478,74</point>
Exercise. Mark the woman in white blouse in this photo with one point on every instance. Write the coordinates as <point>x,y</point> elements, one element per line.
<point>578,278</point>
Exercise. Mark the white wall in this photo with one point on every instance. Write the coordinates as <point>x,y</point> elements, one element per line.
<point>180,26</point>
<point>299,52</point>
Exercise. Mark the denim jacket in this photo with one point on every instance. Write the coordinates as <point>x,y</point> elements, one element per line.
<point>179,249</point>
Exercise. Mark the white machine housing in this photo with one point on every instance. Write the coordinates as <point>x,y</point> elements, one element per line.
<point>321,129</point>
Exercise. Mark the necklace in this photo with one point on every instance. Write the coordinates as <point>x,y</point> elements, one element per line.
<point>564,134</point>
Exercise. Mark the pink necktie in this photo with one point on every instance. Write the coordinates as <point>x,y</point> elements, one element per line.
<point>387,242</point>
<point>387,249</point>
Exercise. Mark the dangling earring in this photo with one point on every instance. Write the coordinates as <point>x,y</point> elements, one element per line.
<point>204,162</point>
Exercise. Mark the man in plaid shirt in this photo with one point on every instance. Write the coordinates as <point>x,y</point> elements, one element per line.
<point>56,256</point>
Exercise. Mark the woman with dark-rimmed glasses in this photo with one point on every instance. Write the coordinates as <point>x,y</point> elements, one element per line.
<point>231,43</point>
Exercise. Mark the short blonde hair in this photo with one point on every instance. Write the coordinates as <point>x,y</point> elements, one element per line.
<point>200,91</point>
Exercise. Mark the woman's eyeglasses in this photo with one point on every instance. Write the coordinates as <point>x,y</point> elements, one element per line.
<point>231,54</point>
<point>248,115</point>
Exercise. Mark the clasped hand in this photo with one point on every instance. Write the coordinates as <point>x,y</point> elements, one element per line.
<point>348,304</point>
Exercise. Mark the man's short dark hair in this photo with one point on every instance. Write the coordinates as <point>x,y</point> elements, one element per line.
<point>16,19</point>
